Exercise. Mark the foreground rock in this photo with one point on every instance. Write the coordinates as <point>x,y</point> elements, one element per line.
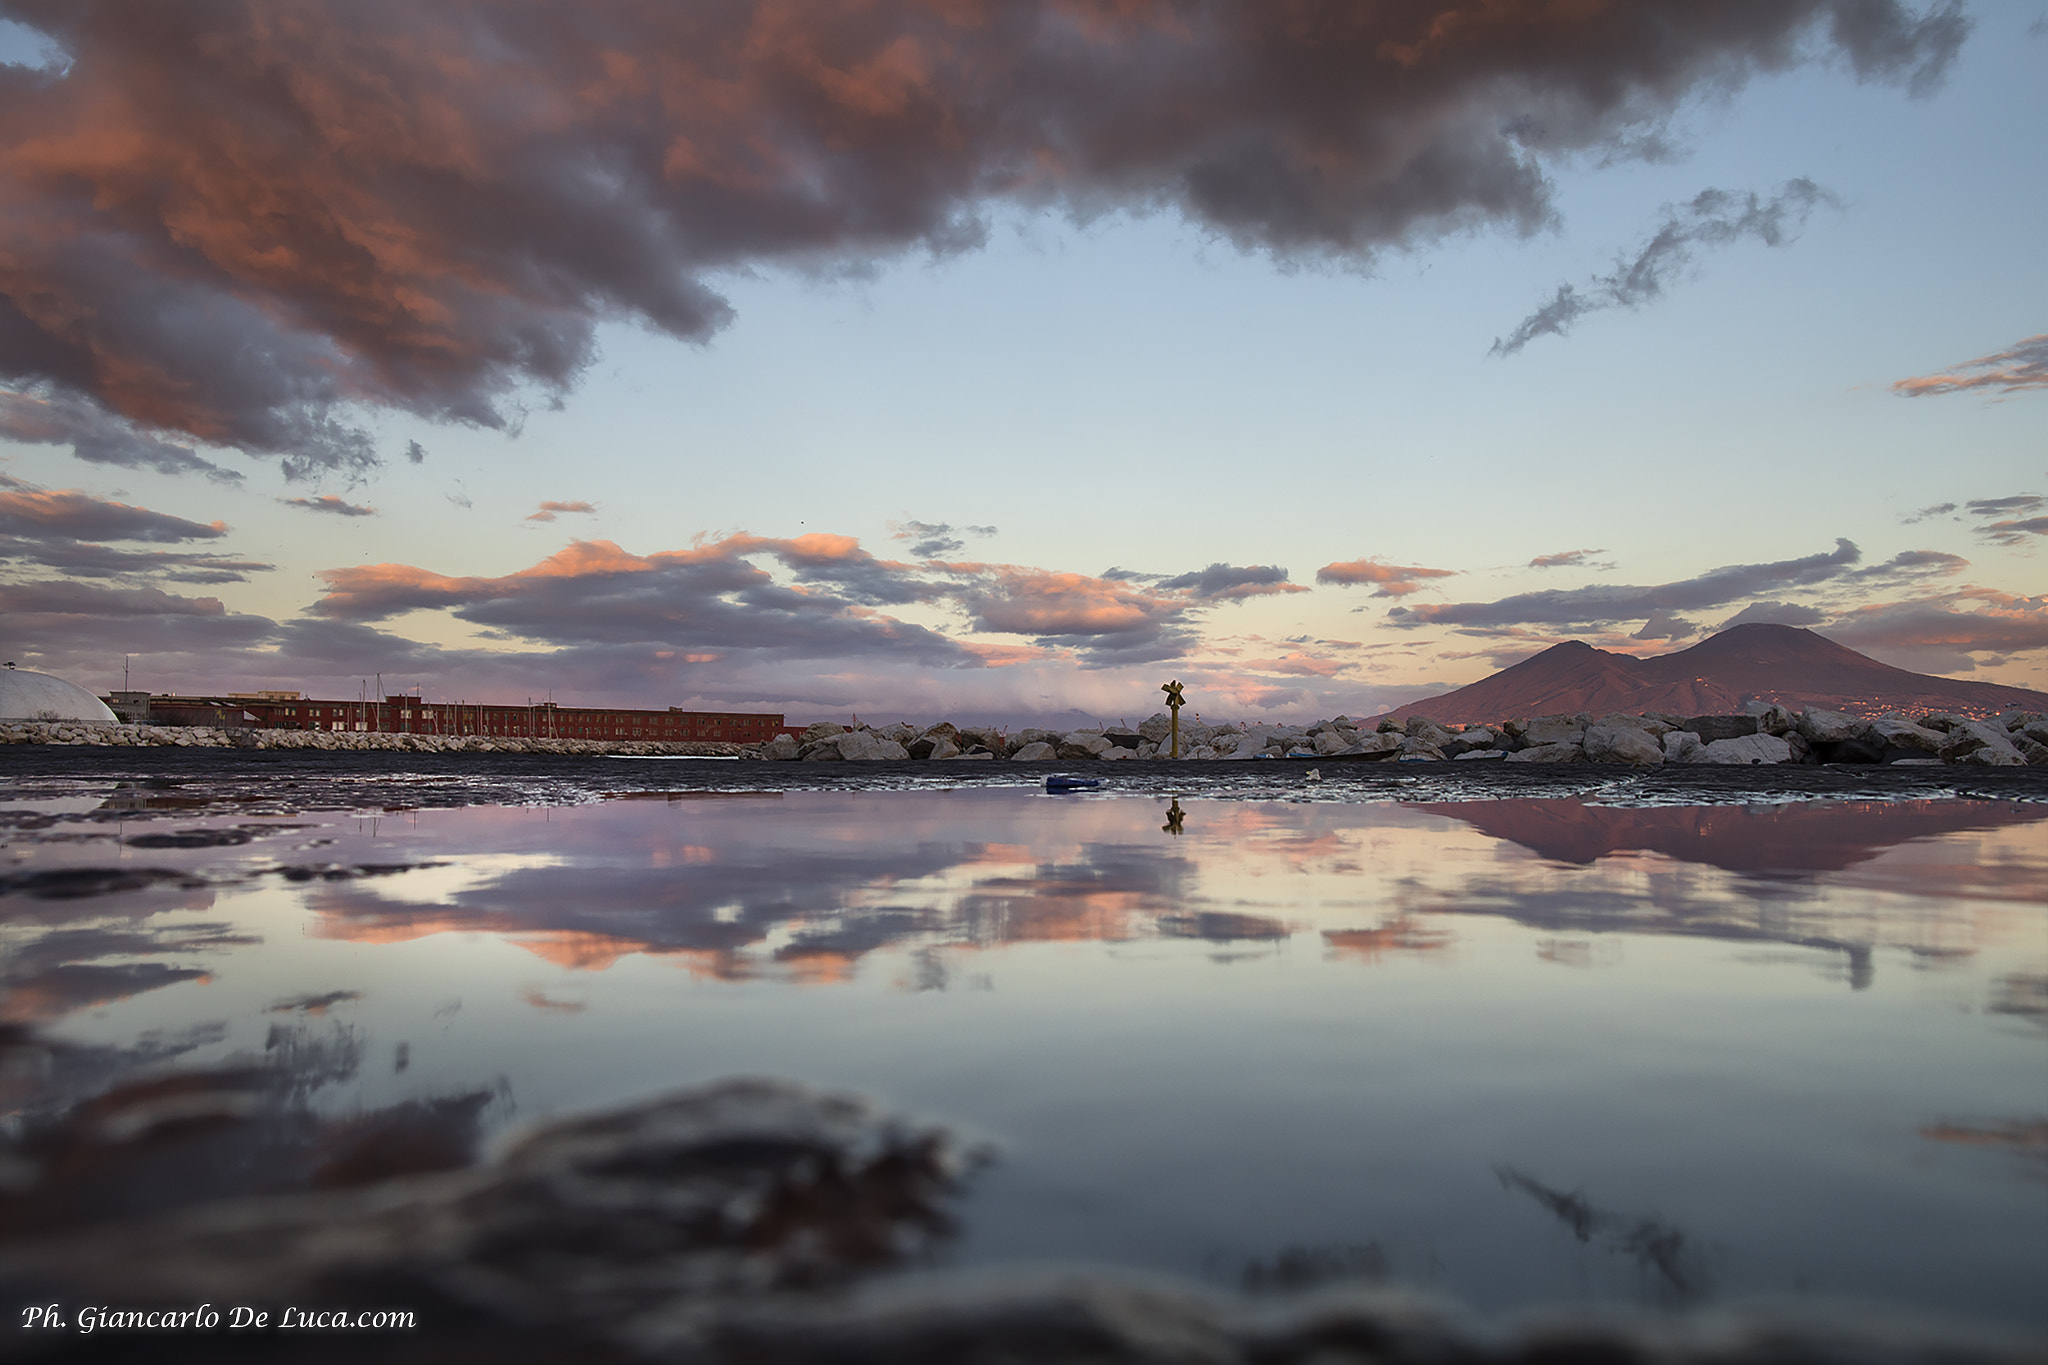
<point>756,1223</point>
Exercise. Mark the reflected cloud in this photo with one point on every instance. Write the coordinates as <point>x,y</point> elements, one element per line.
<point>2025,1139</point>
<point>1402,935</point>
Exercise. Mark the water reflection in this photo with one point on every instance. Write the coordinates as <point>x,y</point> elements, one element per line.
<point>1437,1020</point>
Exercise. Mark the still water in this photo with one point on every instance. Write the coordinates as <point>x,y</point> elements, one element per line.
<point>1524,1051</point>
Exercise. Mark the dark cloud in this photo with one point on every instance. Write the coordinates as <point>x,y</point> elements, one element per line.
<point>1998,507</point>
<point>1229,583</point>
<point>705,599</point>
<point>1908,564</point>
<point>1603,602</point>
<point>39,513</point>
<point>2022,365</point>
<point>1663,625</point>
<point>2016,531</point>
<point>1713,218</point>
<point>415,452</point>
<point>1946,634</point>
<point>935,540</point>
<point>327,502</point>
<point>82,560</point>
<point>1776,614</point>
<point>58,529</point>
<point>243,224</point>
<point>1940,509</point>
<point>73,619</point>
<point>1390,580</point>
<point>47,414</point>
<point>1563,559</point>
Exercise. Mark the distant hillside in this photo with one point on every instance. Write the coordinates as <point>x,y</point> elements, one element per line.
<point>1747,663</point>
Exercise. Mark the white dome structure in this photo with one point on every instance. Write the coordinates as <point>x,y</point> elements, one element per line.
<point>28,695</point>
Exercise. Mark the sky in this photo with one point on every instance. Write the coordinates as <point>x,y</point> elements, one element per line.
<point>991,359</point>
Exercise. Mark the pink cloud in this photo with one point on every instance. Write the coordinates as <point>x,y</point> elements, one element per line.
<point>1392,580</point>
<point>2022,365</point>
<point>549,510</point>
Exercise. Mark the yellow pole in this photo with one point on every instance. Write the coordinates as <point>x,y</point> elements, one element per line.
<point>1174,701</point>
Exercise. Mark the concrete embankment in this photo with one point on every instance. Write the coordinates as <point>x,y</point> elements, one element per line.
<point>1764,734</point>
<point>340,741</point>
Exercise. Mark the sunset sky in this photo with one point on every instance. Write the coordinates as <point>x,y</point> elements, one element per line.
<point>999,358</point>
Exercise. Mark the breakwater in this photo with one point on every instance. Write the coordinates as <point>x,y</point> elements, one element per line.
<point>1764,734</point>
<point>344,741</point>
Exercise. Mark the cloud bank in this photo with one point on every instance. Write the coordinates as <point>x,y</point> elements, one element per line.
<point>243,226</point>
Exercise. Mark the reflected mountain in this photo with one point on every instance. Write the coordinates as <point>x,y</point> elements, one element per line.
<point>1790,838</point>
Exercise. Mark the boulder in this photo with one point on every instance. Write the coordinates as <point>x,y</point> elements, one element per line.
<point>1548,753</point>
<point>822,730</point>
<point>1037,751</point>
<point>1335,741</point>
<point>1980,742</point>
<point>1545,731</point>
<point>1501,754</point>
<point>1895,738</point>
<point>2032,750</point>
<point>1823,726</point>
<point>972,737</point>
<point>1124,739</point>
<point>1622,744</point>
<point>781,749</point>
<point>1419,747</point>
<point>1712,729</point>
<point>1682,746</point>
<point>1032,736</point>
<point>862,745</point>
<point>1429,730</point>
<point>1745,750</point>
<point>945,729</point>
<point>1471,739</point>
<point>1654,726</point>
<point>940,748</point>
<point>1771,717</point>
<point>1091,745</point>
<point>1154,727</point>
<point>1374,745</point>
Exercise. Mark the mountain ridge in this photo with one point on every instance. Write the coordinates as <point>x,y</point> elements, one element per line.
<point>1753,662</point>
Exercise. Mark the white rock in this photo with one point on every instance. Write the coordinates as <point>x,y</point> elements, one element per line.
<point>1037,751</point>
<point>1622,744</point>
<point>1746,750</point>
<point>1548,753</point>
<point>1544,731</point>
<point>1822,726</point>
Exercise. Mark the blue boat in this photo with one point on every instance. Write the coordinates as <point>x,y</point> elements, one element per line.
<point>1061,782</point>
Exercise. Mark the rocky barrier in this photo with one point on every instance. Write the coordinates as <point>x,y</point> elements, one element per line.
<point>1764,734</point>
<point>216,737</point>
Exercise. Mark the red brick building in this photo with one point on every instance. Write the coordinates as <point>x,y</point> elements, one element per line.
<point>407,715</point>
